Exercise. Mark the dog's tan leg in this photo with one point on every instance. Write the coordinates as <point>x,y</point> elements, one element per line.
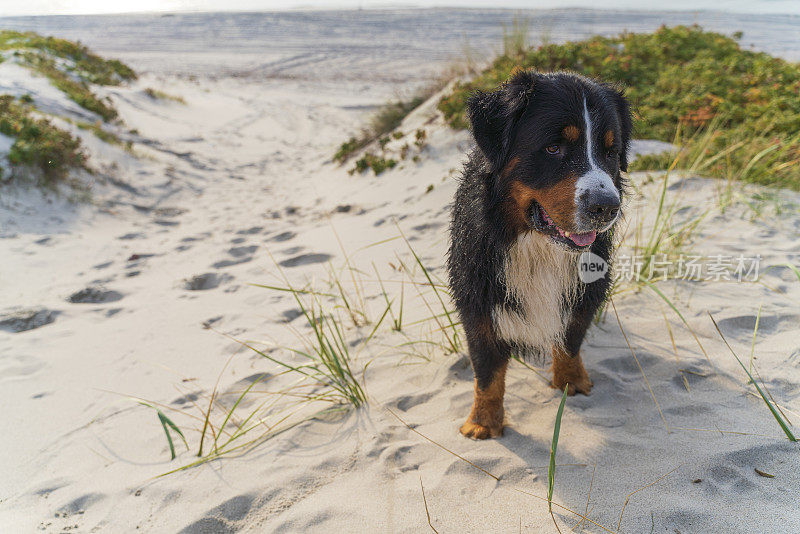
<point>486,418</point>
<point>569,370</point>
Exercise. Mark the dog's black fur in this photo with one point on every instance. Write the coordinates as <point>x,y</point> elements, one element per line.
<point>509,181</point>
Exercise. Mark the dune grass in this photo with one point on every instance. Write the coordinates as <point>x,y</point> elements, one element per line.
<point>639,365</point>
<point>551,468</point>
<point>450,330</point>
<point>370,161</point>
<point>326,352</point>
<point>321,379</point>
<point>778,417</point>
<point>103,134</point>
<point>323,367</point>
<point>38,144</point>
<point>516,37</point>
<point>384,121</point>
<point>76,90</point>
<point>69,66</point>
<point>324,371</point>
<point>155,94</point>
<point>168,425</point>
<point>681,76</point>
<point>82,62</point>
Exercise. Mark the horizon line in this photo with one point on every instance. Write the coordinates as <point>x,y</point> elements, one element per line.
<point>398,7</point>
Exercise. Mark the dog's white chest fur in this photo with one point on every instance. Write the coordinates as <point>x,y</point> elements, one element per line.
<point>542,277</point>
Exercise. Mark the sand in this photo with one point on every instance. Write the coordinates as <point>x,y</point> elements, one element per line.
<point>132,293</point>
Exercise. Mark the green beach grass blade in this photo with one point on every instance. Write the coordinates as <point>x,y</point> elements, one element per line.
<point>454,338</point>
<point>671,305</point>
<point>161,418</point>
<point>795,270</point>
<point>772,409</point>
<point>166,424</point>
<point>755,332</point>
<point>294,290</point>
<point>233,408</point>
<point>791,267</point>
<point>551,470</point>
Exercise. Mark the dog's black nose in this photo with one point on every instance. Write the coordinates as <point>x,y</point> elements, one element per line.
<point>602,204</point>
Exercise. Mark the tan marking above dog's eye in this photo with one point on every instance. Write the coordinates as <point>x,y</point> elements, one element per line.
<point>510,166</point>
<point>608,139</point>
<point>571,133</point>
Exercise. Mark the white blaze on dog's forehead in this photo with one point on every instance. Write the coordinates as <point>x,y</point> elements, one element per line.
<point>595,177</point>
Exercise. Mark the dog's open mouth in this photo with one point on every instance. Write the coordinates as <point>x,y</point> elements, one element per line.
<point>544,224</point>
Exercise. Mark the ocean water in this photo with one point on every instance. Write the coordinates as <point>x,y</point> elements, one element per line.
<point>378,45</point>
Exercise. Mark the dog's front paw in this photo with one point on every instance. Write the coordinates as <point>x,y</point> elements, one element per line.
<point>474,430</point>
<point>569,373</point>
<point>577,385</point>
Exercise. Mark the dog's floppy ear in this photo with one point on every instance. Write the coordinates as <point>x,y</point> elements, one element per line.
<point>494,116</point>
<point>625,121</point>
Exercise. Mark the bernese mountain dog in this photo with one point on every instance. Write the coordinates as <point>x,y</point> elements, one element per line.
<point>543,186</point>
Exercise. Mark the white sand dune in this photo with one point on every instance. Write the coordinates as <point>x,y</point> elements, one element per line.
<point>112,299</point>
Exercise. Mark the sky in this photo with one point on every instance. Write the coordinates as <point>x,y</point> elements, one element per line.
<point>63,7</point>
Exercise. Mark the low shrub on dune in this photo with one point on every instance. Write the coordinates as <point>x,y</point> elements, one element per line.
<point>681,79</point>
<point>69,66</point>
<point>38,144</point>
<point>83,63</point>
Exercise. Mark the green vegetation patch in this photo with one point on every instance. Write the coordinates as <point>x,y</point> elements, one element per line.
<point>69,66</point>
<point>741,108</point>
<point>83,63</point>
<point>77,91</point>
<point>378,164</point>
<point>155,94</point>
<point>385,120</point>
<point>37,143</point>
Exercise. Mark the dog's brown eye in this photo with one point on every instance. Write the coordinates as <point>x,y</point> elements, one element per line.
<point>553,149</point>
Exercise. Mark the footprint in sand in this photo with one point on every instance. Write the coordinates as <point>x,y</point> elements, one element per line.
<point>305,259</point>
<point>625,365</point>
<point>223,518</point>
<point>250,231</point>
<point>407,402</point>
<point>169,212</point>
<point>427,226</point>
<point>23,320</point>
<point>283,236</point>
<point>189,397</point>
<point>241,254</point>
<point>199,237</point>
<point>742,326</point>
<point>208,323</point>
<point>128,237</point>
<point>79,505</point>
<point>202,282</point>
<point>290,315</point>
<point>94,295</point>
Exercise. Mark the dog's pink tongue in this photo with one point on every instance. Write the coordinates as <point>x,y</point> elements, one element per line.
<point>583,239</point>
